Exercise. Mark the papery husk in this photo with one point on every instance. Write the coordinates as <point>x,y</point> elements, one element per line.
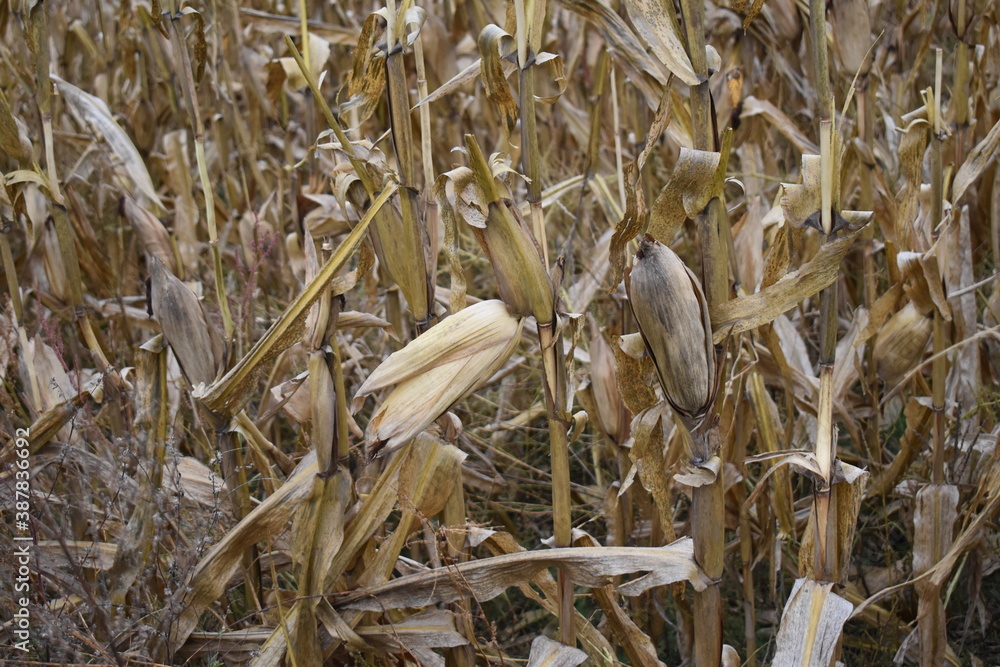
<point>151,232</point>
<point>611,412</point>
<point>508,242</point>
<point>852,35</point>
<point>185,326</point>
<point>672,312</point>
<point>901,343</point>
<point>439,368</point>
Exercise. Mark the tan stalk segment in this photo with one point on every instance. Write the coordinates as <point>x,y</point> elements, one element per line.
<point>426,157</point>
<point>401,246</point>
<point>939,368</point>
<point>937,502</point>
<point>38,42</point>
<point>826,565</point>
<point>455,527</point>
<point>408,262</point>
<point>525,286</point>
<point>708,503</point>
<point>530,25</point>
<point>186,76</point>
<point>852,31</point>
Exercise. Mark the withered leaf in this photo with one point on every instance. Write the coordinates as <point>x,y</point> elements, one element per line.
<point>487,578</point>
<point>751,311</point>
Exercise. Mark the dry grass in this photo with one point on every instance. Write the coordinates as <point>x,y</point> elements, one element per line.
<point>223,232</point>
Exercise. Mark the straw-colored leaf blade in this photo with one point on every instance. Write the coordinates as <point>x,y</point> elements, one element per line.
<point>624,45</point>
<point>209,579</point>
<point>811,624</point>
<point>487,578</point>
<point>374,510</point>
<point>752,311</point>
<point>638,646</point>
<point>658,27</point>
<point>548,653</point>
<point>980,157</point>
<point>434,628</point>
<point>317,535</point>
<point>94,112</point>
<point>424,487</point>
<point>228,394</point>
<point>275,24</point>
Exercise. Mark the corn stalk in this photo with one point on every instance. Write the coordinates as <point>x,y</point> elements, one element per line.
<point>415,267</point>
<point>530,17</point>
<point>939,368</point>
<point>708,507</point>
<point>186,75</point>
<point>38,39</point>
<point>936,502</point>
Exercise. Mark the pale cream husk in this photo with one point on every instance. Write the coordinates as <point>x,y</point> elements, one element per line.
<point>439,368</point>
<point>901,343</point>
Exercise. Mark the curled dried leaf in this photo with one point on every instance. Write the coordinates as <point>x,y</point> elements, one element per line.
<point>497,45</point>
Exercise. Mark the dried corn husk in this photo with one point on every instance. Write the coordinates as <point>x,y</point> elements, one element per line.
<point>611,412</point>
<point>672,314</point>
<point>185,326</point>
<point>151,232</point>
<point>439,368</point>
<point>479,196</point>
<point>852,35</point>
<point>901,343</point>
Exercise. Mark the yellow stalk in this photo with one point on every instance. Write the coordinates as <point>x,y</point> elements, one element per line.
<point>708,502</point>
<point>187,85</point>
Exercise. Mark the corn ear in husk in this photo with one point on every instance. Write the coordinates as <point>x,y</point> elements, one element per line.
<point>612,414</point>
<point>439,368</point>
<point>901,343</point>
<point>478,195</point>
<point>672,313</point>
<point>185,325</point>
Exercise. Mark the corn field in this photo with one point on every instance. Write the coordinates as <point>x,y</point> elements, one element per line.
<point>499,332</point>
